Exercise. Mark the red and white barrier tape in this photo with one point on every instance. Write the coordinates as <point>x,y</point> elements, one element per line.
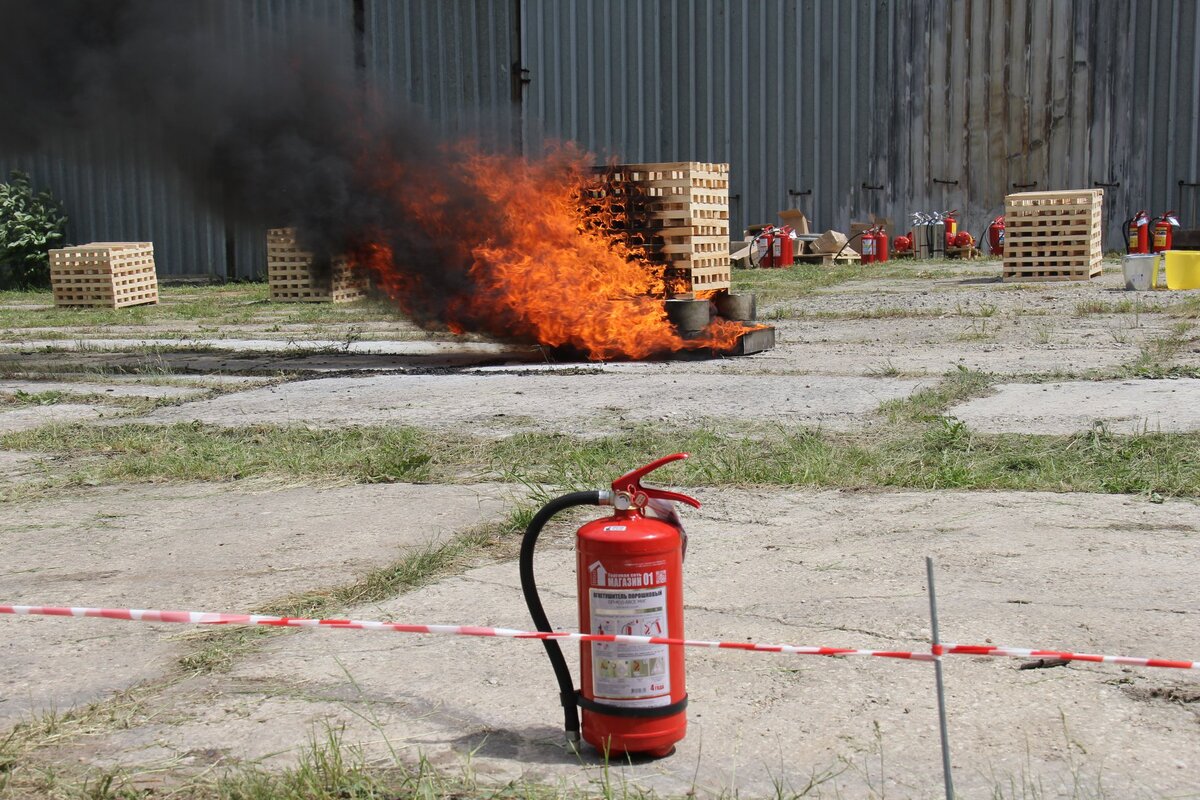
<point>208,618</point>
<point>1021,652</point>
<point>211,618</point>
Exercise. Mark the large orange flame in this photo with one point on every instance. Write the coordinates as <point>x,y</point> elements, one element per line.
<point>516,261</point>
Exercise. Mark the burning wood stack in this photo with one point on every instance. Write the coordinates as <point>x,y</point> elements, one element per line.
<point>295,276</point>
<point>674,214</point>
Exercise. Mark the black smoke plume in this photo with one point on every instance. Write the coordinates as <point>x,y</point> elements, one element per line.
<point>280,133</point>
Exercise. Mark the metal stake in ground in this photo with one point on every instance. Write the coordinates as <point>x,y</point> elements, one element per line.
<point>941,689</point>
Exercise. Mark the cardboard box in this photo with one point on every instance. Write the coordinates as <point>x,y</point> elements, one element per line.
<point>828,242</point>
<point>888,228</point>
<point>795,218</point>
<point>739,254</point>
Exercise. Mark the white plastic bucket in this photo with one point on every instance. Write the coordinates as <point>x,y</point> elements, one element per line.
<point>1141,271</point>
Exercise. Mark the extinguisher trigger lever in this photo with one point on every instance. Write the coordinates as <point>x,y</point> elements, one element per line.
<point>631,484</point>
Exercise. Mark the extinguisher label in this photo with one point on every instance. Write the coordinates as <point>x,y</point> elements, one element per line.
<point>1160,239</point>
<point>630,674</point>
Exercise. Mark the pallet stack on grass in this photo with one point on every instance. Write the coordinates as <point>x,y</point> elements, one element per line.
<point>104,274</point>
<point>1053,236</point>
<point>295,276</point>
<point>675,214</point>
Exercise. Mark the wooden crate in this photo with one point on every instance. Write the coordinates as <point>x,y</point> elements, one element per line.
<point>673,213</point>
<point>848,256</point>
<point>294,276</point>
<point>1053,236</point>
<point>105,274</point>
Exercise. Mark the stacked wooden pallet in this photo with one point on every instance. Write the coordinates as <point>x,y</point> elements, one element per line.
<point>675,214</point>
<point>107,274</point>
<point>295,275</point>
<point>1053,236</point>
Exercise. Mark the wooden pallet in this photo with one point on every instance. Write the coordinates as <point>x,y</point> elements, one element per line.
<point>104,274</point>
<point>1036,274</point>
<point>699,279</point>
<point>1053,235</point>
<point>827,259</point>
<point>965,253</point>
<point>295,276</point>
<point>676,214</point>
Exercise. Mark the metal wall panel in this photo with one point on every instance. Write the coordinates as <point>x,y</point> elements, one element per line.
<point>112,189</point>
<point>843,108</point>
<point>451,58</point>
<point>846,109</point>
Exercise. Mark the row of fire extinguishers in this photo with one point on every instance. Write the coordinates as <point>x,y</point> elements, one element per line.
<point>905,244</point>
<point>993,236</point>
<point>1138,238</point>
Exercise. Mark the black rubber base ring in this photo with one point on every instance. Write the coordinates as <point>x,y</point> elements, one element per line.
<point>630,711</point>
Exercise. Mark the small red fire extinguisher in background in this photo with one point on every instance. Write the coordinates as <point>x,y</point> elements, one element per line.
<point>1137,233</point>
<point>951,222</point>
<point>778,249</point>
<point>868,246</point>
<point>1164,236</point>
<point>629,570</point>
<point>995,236</point>
<point>881,244</point>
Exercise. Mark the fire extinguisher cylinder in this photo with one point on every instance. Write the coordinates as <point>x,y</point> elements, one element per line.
<point>630,581</point>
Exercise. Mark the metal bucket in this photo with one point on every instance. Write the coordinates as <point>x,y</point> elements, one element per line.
<point>1141,271</point>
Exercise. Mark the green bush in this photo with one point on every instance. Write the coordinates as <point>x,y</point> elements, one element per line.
<point>30,225</point>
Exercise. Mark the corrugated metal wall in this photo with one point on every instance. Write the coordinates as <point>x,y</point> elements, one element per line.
<point>841,108</point>
<point>112,190</point>
<point>452,58</point>
<point>845,109</point>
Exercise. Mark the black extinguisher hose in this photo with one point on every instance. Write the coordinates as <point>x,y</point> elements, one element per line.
<point>566,686</point>
<point>847,244</point>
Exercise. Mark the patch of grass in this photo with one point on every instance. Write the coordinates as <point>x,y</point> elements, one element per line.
<point>1188,308</point>
<point>191,451</point>
<point>950,456</point>
<point>926,405</point>
<point>219,304</point>
<point>917,447</point>
<point>777,285</point>
<point>23,398</point>
<point>1156,356</point>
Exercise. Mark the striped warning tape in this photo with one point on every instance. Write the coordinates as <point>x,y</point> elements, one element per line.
<point>211,618</point>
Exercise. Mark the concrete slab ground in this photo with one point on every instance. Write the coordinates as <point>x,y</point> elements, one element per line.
<point>21,418</point>
<point>1124,407</point>
<point>422,348</point>
<point>1005,345</point>
<point>190,546</point>
<point>113,389</point>
<point>1104,574</point>
<point>589,404</point>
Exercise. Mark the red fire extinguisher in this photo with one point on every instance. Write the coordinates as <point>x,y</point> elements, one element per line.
<point>881,244</point>
<point>778,248</point>
<point>630,580</point>
<point>995,236</point>
<point>868,246</point>
<point>1137,233</point>
<point>1164,236</point>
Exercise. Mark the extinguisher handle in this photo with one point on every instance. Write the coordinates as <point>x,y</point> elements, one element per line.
<point>631,483</point>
